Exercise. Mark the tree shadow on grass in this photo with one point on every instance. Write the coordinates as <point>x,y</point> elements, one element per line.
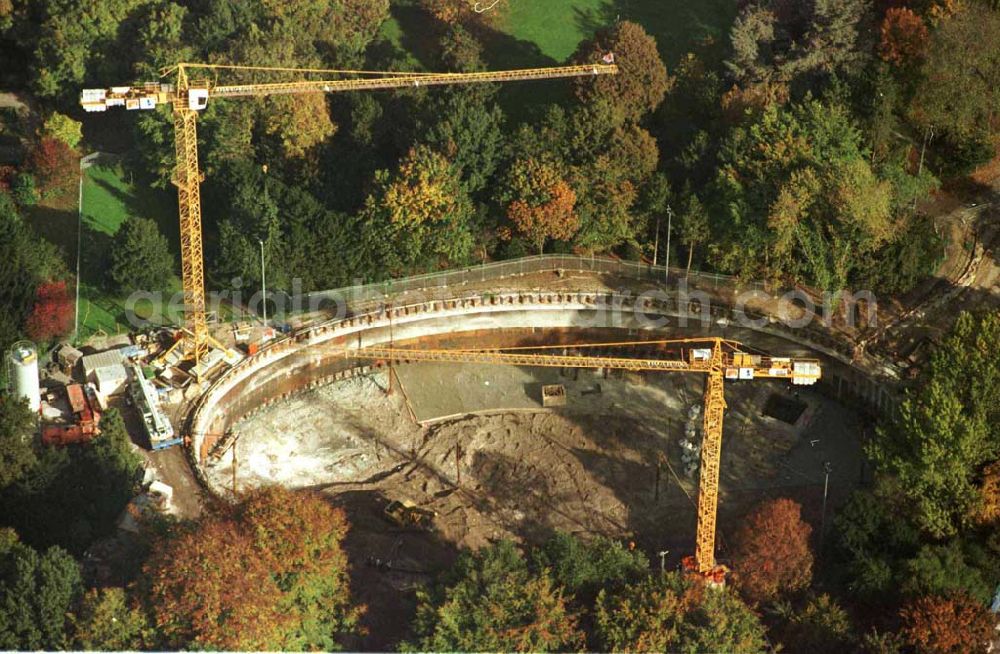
<point>524,101</point>
<point>675,24</point>
<point>420,34</point>
<point>166,220</point>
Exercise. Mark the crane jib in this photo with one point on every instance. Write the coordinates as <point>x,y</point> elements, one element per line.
<point>196,93</point>
<point>408,81</point>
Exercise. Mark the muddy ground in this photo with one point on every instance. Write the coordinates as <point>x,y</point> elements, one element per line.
<point>492,463</point>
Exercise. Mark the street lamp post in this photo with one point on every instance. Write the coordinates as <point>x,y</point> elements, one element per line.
<point>827,469</point>
<point>263,282</point>
<point>656,241</point>
<point>666,267</point>
<point>79,229</point>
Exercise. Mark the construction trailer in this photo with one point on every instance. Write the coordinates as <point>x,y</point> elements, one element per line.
<point>147,403</point>
<point>86,417</point>
<point>106,370</point>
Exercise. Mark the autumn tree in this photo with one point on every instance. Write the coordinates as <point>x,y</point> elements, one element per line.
<point>37,590</point>
<point>54,164</point>
<point>492,601</point>
<point>140,257</point>
<point>771,553</point>
<point>960,87</point>
<point>461,51</point>
<point>63,128</point>
<point>903,36</point>
<point>104,621</point>
<point>418,215</point>
<point>946,625</point>
<point>52,314</point>
<point>642,80</point>
<point>540,203</point>
<point>462,11</point>
<point>989,509</point>
<point>669,613</point>
<point>298,122</point>
<point>268,574</point>
<point>605,159</point>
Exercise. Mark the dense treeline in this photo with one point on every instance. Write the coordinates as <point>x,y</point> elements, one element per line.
<point>796,150</point>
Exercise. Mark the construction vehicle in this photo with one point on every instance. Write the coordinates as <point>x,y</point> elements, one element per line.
<point>147,403</point>
<point>716,358</point>
<point>408,515</point>
<point>188,96</point>
<point>86,412</point>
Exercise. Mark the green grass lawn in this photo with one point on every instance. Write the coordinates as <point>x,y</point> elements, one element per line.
<point>110,195</point>
<point>557,26</point>
<point>535,33</point>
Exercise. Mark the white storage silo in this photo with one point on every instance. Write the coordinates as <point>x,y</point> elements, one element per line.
<point>23,367</point>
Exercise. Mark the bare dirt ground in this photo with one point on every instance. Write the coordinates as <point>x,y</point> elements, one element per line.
<point>608,463</point>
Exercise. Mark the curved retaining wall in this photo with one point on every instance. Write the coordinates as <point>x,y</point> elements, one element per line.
<point>313,355</point>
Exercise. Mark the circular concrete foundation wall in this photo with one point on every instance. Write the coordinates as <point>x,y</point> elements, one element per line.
<point>314,356</point>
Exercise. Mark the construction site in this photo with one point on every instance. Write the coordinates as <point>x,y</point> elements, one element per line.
<point>580,396</point>
<point>456,454</point>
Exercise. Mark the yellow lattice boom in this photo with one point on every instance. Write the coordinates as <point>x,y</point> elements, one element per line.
<point>189,96</point>
<point>718,359</point>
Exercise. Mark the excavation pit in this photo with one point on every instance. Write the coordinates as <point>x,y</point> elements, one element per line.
<point>475,444</point>
<point>784,408</point>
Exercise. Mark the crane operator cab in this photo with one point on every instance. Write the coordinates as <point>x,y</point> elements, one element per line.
<point>197,99</point>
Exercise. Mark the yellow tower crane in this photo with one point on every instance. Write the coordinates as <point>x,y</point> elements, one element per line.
<point>716,358</point>
<point>188,96</point>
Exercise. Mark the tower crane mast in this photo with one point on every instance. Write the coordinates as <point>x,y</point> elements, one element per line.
<point>716,358</point>
<point>190,95</point>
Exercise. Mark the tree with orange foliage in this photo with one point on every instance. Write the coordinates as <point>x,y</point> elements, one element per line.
<point>52,315</point>
<point>946,625</point>
<point>989,490</point>
<point>903,36</point>
<point>540,202</point>
<point>771,551</point>
<point>54,164</point>
<point>268,574</point>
